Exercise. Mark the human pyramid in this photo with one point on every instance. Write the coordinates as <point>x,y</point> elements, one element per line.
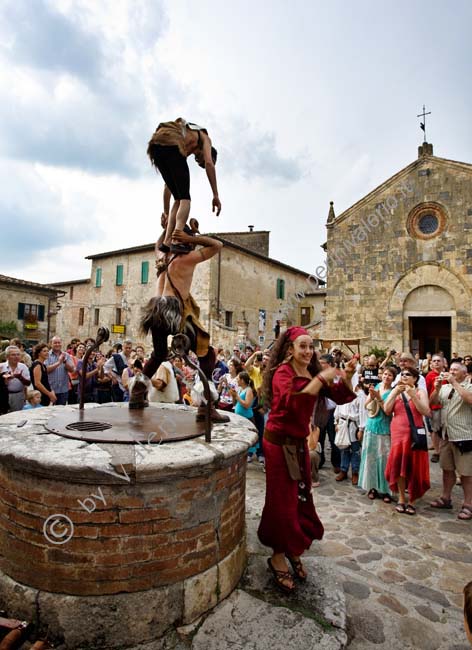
<point>179,249</point>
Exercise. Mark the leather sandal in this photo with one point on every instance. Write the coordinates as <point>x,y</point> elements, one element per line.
<point>280,577</point>
<point>297,566</point>
<point>441,504</point>
<point>465,514</point>
<point>372,494</point>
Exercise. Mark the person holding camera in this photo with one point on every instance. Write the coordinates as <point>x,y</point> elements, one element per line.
<point>435,422</point>
<point>455,449</point>
<point>390,360</point>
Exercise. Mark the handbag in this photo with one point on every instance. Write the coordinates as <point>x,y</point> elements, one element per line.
<point>419,441</point>
<point>342,439</point>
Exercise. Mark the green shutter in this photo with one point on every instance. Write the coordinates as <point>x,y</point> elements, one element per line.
<point>98,277</point>
<point>280,290</point>
<point>144,272</point>
<point>40,312</point>
<point>119,275</point>
<point>21,310</point>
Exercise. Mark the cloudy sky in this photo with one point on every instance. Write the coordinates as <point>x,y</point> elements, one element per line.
<point>306,101</point>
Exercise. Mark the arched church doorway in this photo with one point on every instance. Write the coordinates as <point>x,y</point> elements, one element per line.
<point>429,315</point>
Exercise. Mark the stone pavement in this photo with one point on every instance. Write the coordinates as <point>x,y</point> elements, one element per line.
<point>402,575</point>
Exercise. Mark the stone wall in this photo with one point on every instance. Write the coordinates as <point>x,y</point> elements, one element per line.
<point>375,259</point>
<point>256,241</point>
<point>77,297</point>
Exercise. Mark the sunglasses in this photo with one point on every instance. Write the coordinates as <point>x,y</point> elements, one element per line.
<point>406,374</point>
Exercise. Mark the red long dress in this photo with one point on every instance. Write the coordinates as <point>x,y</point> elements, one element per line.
<point>402,460</point>
<point>288,524</point>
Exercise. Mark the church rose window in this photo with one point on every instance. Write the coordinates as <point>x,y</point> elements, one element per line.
<point>426,221</point>
<point>428,224</point>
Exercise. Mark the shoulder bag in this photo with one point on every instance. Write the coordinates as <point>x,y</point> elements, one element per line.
<point>419,440</point>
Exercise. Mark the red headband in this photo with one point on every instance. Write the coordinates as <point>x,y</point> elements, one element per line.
<point>294,332</point>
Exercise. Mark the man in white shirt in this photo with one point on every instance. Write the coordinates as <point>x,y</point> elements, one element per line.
<point>352,417</point>
<point>114,368</point>
<point>165,388</point>
<point>407,360</point>
<point>455,449</point>
<point>16,377</point>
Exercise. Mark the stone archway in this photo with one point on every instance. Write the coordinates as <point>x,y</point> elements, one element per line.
<point>429,315</point>
<point>429,290</point>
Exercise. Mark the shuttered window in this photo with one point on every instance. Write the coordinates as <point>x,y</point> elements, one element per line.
<point>98,277</point>
<point>280,289</point>
<point>119,275</point>
<point>144,272</point>
<point>31,312</point>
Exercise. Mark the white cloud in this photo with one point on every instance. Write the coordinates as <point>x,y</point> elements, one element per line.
<point>305,104</point>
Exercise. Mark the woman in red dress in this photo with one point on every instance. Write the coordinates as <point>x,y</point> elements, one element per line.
<point>407,468</point>
<point>293,382</point>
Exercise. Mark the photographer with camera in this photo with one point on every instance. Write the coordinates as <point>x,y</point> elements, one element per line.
<point>390,360</point>
<point>455,449</point>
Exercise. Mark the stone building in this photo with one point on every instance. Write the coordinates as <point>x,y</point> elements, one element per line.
<point>30,306</point>
<point>242,292</point>
<point>400,261</point>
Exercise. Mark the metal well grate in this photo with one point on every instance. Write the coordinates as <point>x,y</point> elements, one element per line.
<point>88,426</point>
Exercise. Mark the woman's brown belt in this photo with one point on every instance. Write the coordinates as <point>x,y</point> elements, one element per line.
<point>283,440</point>
<point>293,449</point>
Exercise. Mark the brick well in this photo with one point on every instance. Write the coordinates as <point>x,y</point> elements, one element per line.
<point>176,519</point>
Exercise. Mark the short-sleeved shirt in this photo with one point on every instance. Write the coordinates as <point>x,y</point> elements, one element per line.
<point>90,382</point>
<point>15,385</point>
<point>170,394</point>
<point>430,379</point>
<point>256,375</point>
<point>111,368</point>
<point>59,378</point>
<point>457,413</point>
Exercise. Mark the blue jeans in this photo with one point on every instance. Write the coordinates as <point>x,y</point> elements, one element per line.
<point>351,456</point>
<point>61,399</point>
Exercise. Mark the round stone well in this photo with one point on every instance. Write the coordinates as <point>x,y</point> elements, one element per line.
<point>108,545</point>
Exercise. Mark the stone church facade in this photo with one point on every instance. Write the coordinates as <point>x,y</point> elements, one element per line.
<point>400,261</point>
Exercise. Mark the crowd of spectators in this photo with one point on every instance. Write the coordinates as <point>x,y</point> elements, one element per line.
<point>434,391</point>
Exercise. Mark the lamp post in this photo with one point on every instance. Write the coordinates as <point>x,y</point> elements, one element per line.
<point>124,307</point>
<point>50,314</point>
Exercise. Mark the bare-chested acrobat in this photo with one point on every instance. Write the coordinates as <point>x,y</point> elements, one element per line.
<point>174,310</point>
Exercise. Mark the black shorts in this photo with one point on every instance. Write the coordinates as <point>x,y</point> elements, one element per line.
<point>173,168</point>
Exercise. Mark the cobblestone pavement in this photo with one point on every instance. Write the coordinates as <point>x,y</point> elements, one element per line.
<point>402,575</point>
